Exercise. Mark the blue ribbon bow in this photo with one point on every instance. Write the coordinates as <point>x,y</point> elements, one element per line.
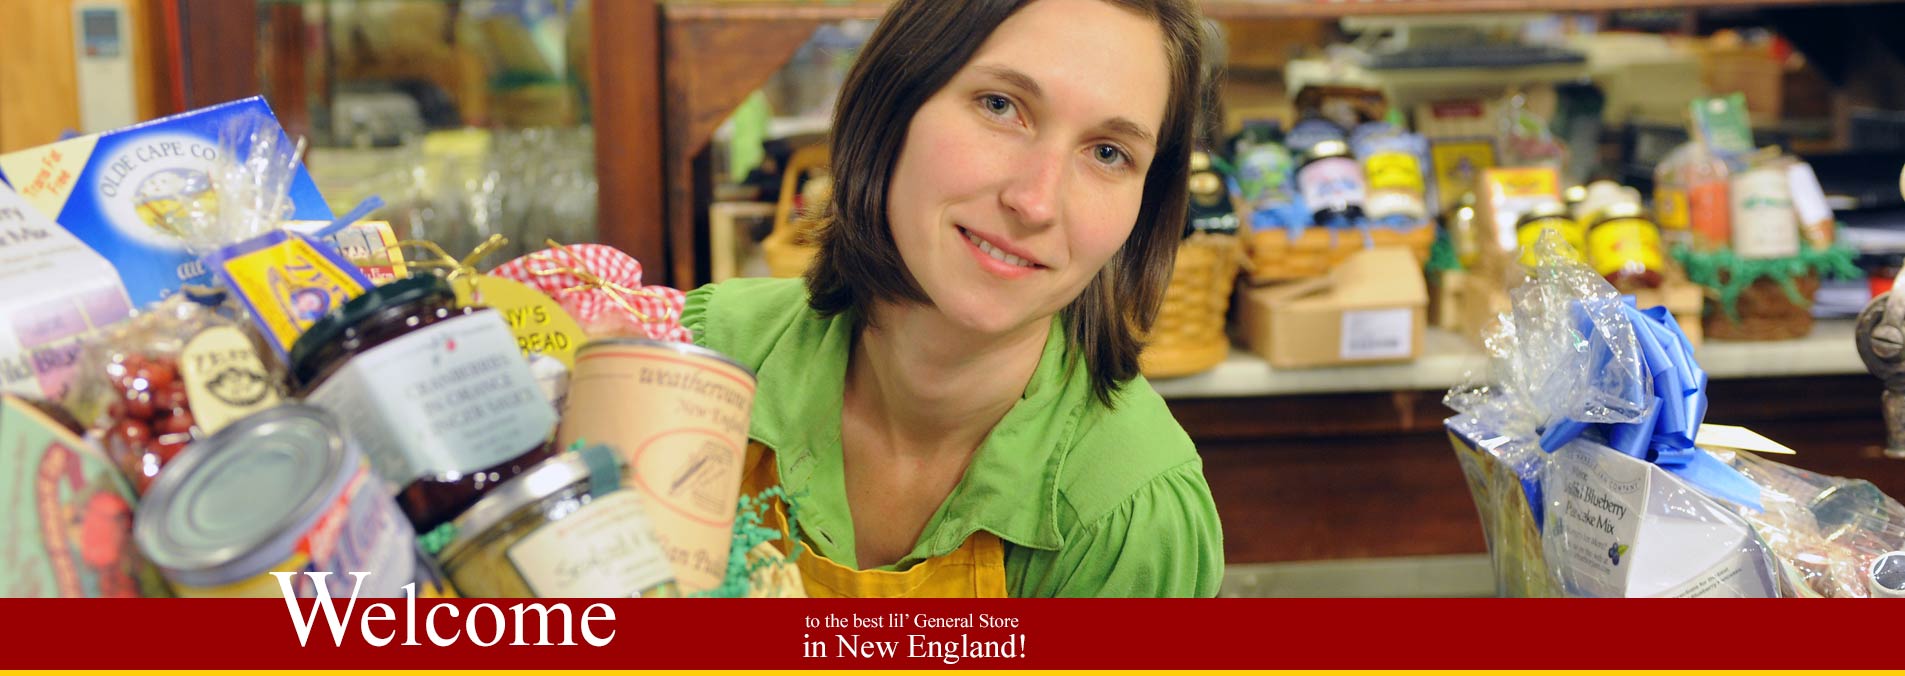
<point>1665,434</point>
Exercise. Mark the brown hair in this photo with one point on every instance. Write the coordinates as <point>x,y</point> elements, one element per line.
<point>915,51</point>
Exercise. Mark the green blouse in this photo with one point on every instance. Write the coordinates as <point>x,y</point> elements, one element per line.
<point>1089,500</point>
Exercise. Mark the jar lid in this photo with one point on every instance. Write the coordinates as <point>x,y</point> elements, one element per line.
<point>1619,210</point>
<point>1329,148</point>
<point>547,478</point>
<point>232,506</point>
<point>332,326</point>
<point>1544,210</point>
<point>1200,161</point>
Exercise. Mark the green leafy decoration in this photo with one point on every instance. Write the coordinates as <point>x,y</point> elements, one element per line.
<point>1727,275</point>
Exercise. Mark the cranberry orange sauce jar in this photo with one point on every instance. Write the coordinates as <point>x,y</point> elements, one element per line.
<point>438,396</point>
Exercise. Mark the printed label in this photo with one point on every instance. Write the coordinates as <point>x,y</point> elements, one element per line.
<point>1601,506</point>
<point>1395,171</point>
<point>1670,208</point>
<point>1764,223</point>
<point>289,285</point>
<point>449,398</point>
<point>607,549</point>
<point>540,325</point>
<point>224,378</point>
<point>1709,214</point>
<point>1808,198</point>
<point>1530,234</point>
<point>1331,183</point>
<point>1623,244</point>
<point>1378,334</point>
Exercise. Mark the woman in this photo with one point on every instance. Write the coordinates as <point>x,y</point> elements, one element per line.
<point>952,393</point>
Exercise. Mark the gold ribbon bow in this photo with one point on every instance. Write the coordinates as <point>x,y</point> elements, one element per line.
<point>616,292</point>
<point>442,260</point>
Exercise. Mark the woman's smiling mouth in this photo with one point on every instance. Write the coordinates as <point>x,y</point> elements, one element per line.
<point>997,259</point>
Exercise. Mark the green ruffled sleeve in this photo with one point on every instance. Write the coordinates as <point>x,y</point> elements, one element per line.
<point>694,312</point>
<point>1165,541</point>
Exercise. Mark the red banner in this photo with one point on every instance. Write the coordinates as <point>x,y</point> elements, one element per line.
<point>938,634</point>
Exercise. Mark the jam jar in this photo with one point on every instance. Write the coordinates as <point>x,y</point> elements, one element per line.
<point>438,396</point>
<point>571,527</point>
<point>1625,247</point>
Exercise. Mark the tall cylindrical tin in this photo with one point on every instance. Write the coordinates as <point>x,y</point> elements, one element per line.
<point>678,415</point>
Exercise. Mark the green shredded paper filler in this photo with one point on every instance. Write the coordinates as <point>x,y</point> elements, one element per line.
<point>1726,275</point>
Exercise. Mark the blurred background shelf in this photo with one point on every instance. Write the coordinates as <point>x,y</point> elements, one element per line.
<point>1448,358</point>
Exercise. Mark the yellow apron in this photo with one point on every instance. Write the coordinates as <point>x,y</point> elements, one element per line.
<point>975,570</point>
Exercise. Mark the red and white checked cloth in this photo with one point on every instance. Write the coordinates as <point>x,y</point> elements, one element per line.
<point>594,306</point>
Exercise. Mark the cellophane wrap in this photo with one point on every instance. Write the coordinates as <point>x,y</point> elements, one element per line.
<point>1825,531</point>
<point>252,179</point>
<point>1577,373</point>
<point>1542,370</point>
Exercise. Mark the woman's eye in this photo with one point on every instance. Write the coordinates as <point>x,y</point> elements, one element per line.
<point>1109,154</point>
<point>995,104</point>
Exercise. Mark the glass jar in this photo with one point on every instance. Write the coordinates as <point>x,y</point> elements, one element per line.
<point>1549,216</point>
<point>1625,247</point>
<point>438,396</point>
<point>568,528</point>
<point>1332,184</point>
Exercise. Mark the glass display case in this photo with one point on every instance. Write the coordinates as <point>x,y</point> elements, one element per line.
<point>467,118</point>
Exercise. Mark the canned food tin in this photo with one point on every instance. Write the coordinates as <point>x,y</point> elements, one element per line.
<point>567,528</point>
<point>280,490</point>
<point>678,415</point>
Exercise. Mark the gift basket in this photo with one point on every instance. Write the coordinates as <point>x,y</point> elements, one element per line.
<point>1188,335</point>
<point>434,420</point>
<point>1586,454</point>
<point>1753,227</point>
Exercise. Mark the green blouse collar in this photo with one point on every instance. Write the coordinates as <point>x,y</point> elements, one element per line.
<point>1010,488</point>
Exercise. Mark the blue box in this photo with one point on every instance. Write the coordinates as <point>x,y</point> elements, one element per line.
<point>112,189</point>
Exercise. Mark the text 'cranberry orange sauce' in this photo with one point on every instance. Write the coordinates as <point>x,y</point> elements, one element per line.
<point>438,396</point>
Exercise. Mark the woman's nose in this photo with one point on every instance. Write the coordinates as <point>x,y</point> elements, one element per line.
<point>1033,185</point>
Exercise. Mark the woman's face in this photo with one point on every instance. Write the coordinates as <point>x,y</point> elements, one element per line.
<point>1023,175</point>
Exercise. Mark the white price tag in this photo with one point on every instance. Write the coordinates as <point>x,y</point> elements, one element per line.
<point>1808,198</point>
<point>1378,334</point>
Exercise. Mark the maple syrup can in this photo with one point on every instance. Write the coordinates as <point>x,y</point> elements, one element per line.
<point>281,490</point>
<point>678,416</point>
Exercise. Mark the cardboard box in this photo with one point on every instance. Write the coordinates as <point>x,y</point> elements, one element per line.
<point>1372,308</point>
<point>54,293</point>
<point>1507,193</point>
<point>114,190</point>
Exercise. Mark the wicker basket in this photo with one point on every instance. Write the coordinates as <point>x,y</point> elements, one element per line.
<point>1765,313</point>
<point>789,249</point>
<point>1188,336</point>
<point>1275,256</point>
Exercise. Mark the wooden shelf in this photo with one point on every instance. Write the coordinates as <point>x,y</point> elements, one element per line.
<point>715,52</point>
<point>717,10</point>
<point>1448,359</point>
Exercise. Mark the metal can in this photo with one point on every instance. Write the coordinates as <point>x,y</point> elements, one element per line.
<point>567,528</point>
<point>678,415</point>
<point>1625,247</point>
<point>1550,216</point>
<point>281,490</point>
<point>1764,222</point>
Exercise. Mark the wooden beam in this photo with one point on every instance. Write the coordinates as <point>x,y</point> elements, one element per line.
<point>220,42</point>
<point>626,96</point>
<point>701,92</point>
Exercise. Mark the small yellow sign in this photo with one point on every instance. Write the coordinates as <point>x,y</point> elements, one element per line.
<point>540,325</point>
